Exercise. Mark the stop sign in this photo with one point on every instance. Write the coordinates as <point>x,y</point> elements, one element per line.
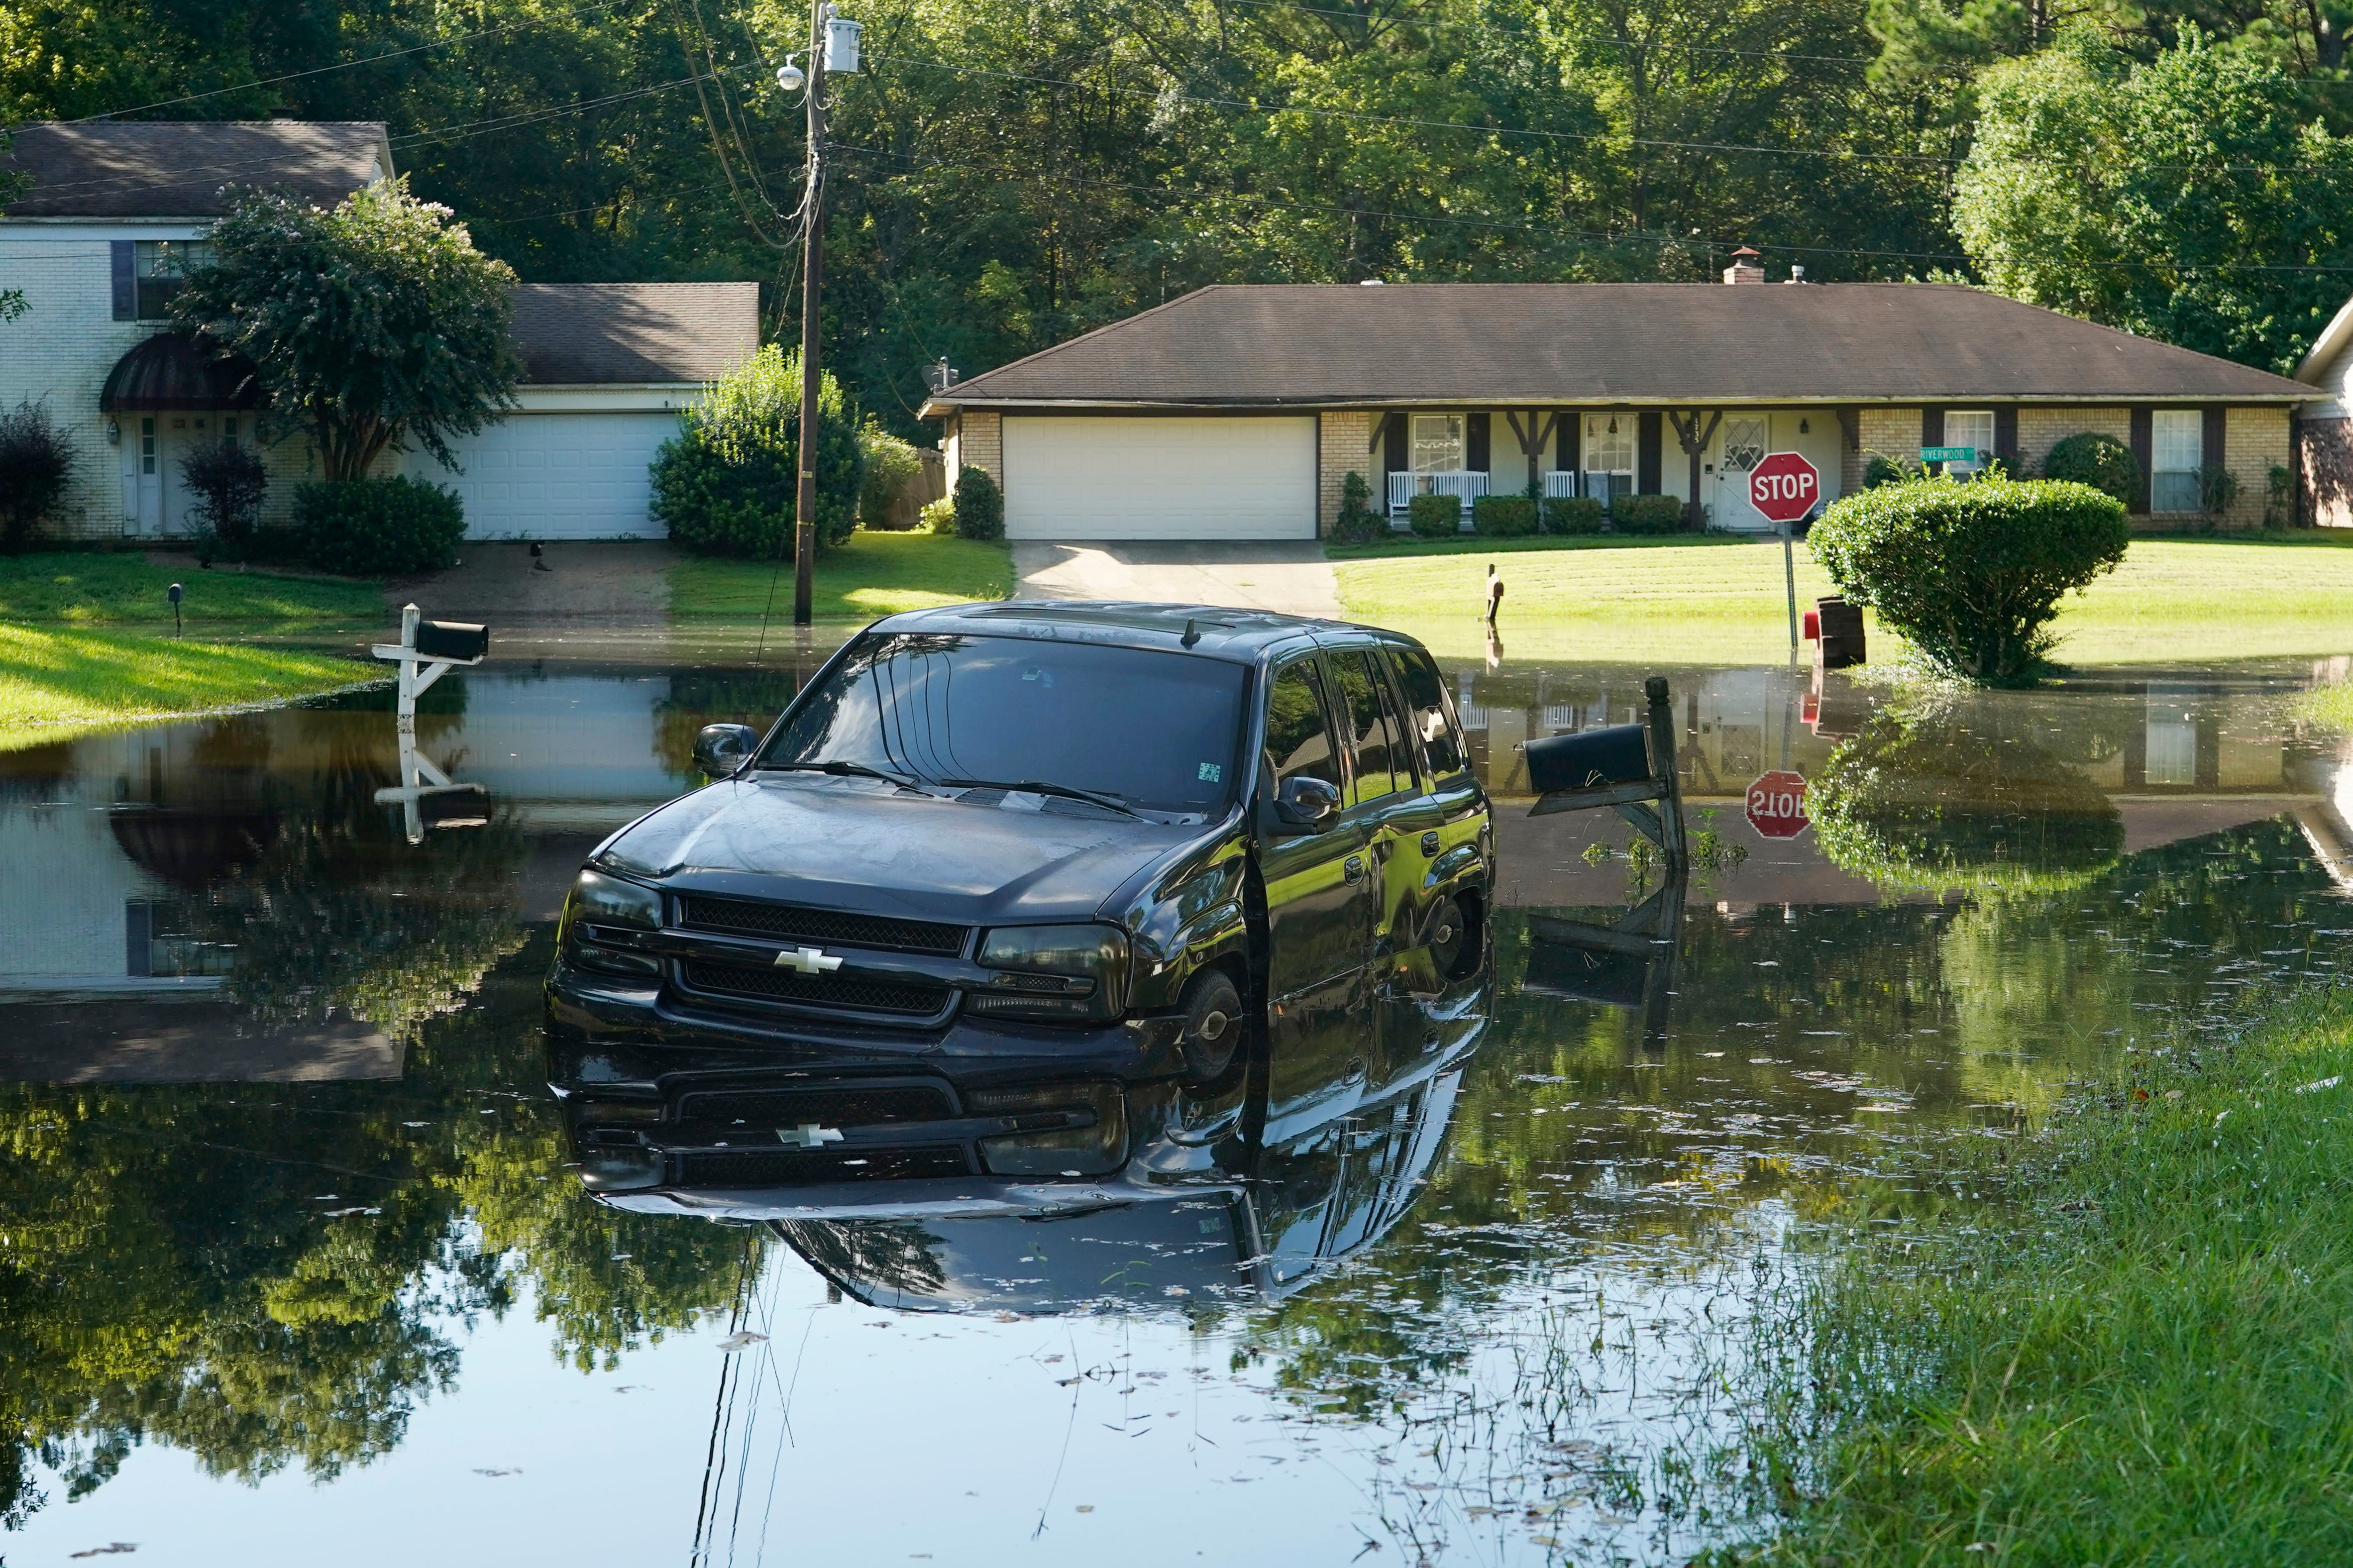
<point>1777,804</point>
<point>1784,487</point>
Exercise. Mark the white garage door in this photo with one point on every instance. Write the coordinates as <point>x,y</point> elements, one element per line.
<point>1090,478</point>
<point>557,475</point>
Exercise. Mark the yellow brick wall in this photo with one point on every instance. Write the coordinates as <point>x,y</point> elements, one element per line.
<point>1891,433</point>
<point>1343,442</point>
<point>2253,441</point>
<point>978,442</point>
<point>2040,429</point>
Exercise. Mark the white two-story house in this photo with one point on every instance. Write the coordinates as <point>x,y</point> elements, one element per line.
<point>115,215</point>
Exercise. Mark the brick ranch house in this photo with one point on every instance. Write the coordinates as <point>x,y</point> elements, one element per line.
<point>2323,446</point>
<point>116,212</point>
<point>1237,411</point>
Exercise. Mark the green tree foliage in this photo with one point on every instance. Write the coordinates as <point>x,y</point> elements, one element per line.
<point>2174,198</point>
<point>729,482</point>
<point>891,466</point>
<point>1971,575</point>
<point>36,463</point>
<point>376,325</point>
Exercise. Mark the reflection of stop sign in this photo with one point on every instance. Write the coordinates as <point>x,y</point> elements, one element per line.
<point>1784,487</point>
<point>1777,804</point>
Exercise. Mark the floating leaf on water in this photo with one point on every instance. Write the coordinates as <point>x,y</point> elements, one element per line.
<point>741,1341</point>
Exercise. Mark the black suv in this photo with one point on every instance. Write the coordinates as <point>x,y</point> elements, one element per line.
<point>1080,846</point>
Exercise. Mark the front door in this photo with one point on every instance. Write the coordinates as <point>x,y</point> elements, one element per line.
<point>154,498</point>
<point>1746,440</point>
<point>1320,888</point>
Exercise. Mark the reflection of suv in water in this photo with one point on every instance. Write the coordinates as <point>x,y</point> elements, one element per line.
<point>995,861</point>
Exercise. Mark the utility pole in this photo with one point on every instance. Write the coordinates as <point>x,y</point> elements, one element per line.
<point>812,261</point>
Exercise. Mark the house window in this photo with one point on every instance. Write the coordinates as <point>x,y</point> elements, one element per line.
<point>161,266</point>
<point>2176,451</point>
<point>1438,444</point>
<point>1971,428</point>
<point>146,445</point>
<point>1609,450</point>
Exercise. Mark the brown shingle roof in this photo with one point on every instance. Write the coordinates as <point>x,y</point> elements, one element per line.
<point>583,334</point>
<point>185,168</point>
<point>1473,344</point>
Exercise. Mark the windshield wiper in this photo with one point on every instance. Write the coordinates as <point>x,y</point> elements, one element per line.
<point>851,770</point>
<point>1068,792</point>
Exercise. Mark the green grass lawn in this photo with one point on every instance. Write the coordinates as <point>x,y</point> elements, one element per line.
<point>1711,600</point>
<point>2331,705</point>
<point>866,576</point>
<point>86,588</point>
<point>56,683</point>
<point>2145,1357</point>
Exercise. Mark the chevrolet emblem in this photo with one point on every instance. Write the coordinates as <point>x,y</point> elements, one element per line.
<point>809,961</point>
<point>807,1135</point>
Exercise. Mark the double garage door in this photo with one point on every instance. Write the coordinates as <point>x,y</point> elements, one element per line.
<point>1159,478</point>
<point>569,475</point>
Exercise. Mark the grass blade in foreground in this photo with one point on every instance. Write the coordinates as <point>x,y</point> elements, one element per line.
<point>2150,1359</point>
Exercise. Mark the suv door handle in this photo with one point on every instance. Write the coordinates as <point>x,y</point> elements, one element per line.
<point>1429,845</point>
<point>1353,867</point>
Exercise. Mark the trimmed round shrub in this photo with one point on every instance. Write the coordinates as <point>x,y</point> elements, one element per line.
<point>1503,517</point>
<point>372,526</point>
<point>979,505</point>
<point>1573,514</point>
<point>1435,517</point>
<point>729,482</point>
<point>1357,523</point>
<point>1971,575</point>
<point>2100,461</point>
<point>1646,514</point>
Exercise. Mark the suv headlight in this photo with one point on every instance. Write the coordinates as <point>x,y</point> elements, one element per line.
<point>605,918</point>
<point>1074,974</point>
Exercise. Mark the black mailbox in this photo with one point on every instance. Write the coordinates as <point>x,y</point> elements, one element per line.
<point>1617,754</point>
<point>452,639</point>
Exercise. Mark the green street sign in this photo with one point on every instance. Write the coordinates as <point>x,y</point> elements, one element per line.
<point>1948,454</point>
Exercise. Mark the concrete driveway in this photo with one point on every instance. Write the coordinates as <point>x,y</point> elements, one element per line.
<point>1291,578</point>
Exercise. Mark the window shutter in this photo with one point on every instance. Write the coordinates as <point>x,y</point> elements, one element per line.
<point>1932,427</point>
<point>2005,438</point>
<point>2210,434</point>
<point>1392,447</point>
<point>126,281</point>
<point>1474,442</point>
<point>1569,439</point>
<point>1646,452</point>
<point>2144,451</point>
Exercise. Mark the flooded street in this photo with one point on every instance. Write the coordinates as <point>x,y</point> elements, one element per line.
<point>295,1243</point>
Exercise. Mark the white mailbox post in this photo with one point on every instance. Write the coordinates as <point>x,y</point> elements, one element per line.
<point>426,651</point>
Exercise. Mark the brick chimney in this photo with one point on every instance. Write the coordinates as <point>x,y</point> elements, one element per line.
<point>1747,267</point>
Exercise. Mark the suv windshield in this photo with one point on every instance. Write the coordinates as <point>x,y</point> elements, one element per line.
<point>1156,731</point>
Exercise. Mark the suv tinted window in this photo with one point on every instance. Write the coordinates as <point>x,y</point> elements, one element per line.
<point>1298,743</point>
<point>1157,730</point>
<point>1382,765</point>
<point>1425,696</point>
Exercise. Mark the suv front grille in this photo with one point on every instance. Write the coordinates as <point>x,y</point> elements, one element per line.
<point>849,992</point>
<point>796,1167</point>
<point>840,1106</point>
<point>825,928</point>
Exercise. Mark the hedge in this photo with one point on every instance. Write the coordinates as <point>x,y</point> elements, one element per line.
<point>1646,514</point>
<point>729,482</point>
<point>1971,573</point>
<point>979,505</point>
<point>2100,461</point>
<point>372,526</point>
<point>1574,514</point>
<point>1503,517</point>
<point>1435,517</point>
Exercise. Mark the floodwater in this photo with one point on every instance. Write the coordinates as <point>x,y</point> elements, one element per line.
<point>293,1249</point>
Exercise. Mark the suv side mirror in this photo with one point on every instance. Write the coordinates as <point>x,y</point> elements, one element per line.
<point>1305,802</point>
<point>721,749</point>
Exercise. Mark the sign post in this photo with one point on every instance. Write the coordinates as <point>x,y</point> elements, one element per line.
<point>1783,488</point>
